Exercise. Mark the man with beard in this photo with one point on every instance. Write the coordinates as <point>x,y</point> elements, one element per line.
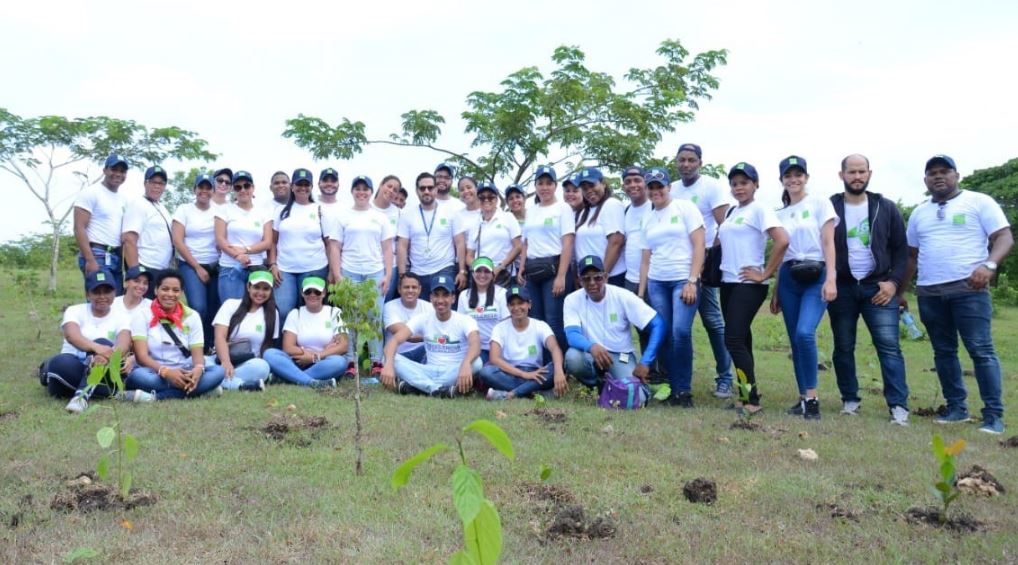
<point>426,244</point>
<point>98,212</point>
<point>872,256</point>
<point>444,175</point>
<point>328,188</point>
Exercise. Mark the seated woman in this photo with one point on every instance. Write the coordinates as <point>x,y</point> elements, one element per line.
<point>314,350</point>
<point>168,342</point>
<point>253,319</point>
<point>517,350</point>
<point>136,283</point>
<point>484,301</point>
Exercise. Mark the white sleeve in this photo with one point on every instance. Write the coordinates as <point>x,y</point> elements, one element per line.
<point>388,232</point>
<point>824,212</point>
<point>417,323</point>
<point>72,314</point>
<point>86,201</point>
<point>567,220</point>
<point>134,218</point>
<point>196,335</point>
<point>180,215</point>
<point>716,195</point>
<point>139,325</point>
<point>637,311</point>
<point>469,325</point>
<point>691,216</point>
<point>767,219</point>
<point>292,321</point>
<point>225,312</point>
<point>991,216</point>
<point>389,313</point>
<point>571,309</point>
<point>613,217</point>
<point>542,329</point>
<point>513,224</point>
<point>222,212</point>
<point>498,332</point>
<point>403,226</point>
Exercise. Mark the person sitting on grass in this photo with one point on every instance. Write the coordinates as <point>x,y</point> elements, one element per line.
<point>254,319</point>
<point>314,349</point>
<point>399,311</point>
<point>452,344</point>
<point>484,301</point>
<point>597,321</point>
<point>515,368</point>
<point>136,283</point>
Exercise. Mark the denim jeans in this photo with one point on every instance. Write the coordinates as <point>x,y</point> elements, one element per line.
<point>110,261</point>
<point>882,322</point>
<point>712,320</point>
<point>966,314</point>
<point>247,374</point>
<point>581,366</point>
<point>547,307</point>
<point>201,297</point>
<point>500,380</point>
<point>666,298</point>
<point>740,303</point>
<point>429,378</point>
<point>288,295</point>
<point>393,289</point>
<point>417,355</point>
<point>232,283</point>
<point>657,369</point>
<point>802,308</point>
<point>449,271</point>
<point>375,345</point>
<point>143,378</point>
<point>282,365</point>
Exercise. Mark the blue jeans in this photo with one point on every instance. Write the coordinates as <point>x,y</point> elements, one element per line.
<point>666,298</point>
<point>375,345</point>
<point>418,355</point>
<point>282,365</point>
<point>232,283</point>
<point>201,297</point>
<point>393,290</point>
<point>288,295</point>
<point>143,378</point>
<point>802,307</point>
<point>581,366</point>
<point>429,378</point>
<point>500,380</point>
<point>967,314</point>
<point>247,374</point>
<point>882,322</point>
<point>110,261</point>
<point>449,271</point>
<point>714,323</point>
<point>545,306</point>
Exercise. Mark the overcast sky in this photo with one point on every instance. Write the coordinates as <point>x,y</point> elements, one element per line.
<point>897,81</point>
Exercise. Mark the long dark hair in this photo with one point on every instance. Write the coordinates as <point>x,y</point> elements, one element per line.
<point>268,310</point>
<point>581,217</point>
<point>285,212</point>
<point>488,300</point>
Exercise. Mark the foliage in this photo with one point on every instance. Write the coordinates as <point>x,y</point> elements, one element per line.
<point>126,450</point>
<point>180,188</point>
<point>482,528</point>
<point>572,115</point>
<point>745,389</point>
<point>905,209</point>
<point>80,554</point>
<point>1004,292</point>
<point>1000,182</point>
<point>33,251</point>
<point>946,488</point>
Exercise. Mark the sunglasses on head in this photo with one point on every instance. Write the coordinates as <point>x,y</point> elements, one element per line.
<point>941,210</point>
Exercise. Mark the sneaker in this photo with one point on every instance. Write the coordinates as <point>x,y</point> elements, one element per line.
<point>324,383</point>
<point>218,391</point>
<point>402,387</point>
<point>351,370</point>
<point>497,394</point>
<point>723,390</point>
<point>376,369</point>
<point>680,399</point>
<point>992,425</point>
<point>811,409</point>
<point>77,405</point>
<point>795,409</point>
<point>954,416</point>
<point>899,416</point>
<point>445,392</point>
<point>136,396</point>
<point>850,407</point>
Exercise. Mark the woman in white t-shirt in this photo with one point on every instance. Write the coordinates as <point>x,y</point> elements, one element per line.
<point>673,250</point>
<point>484,301</point>
<point>397,313</point>
<point>497,235</point>
<point>136,283</point>
<point>516,202</point>
<point>600,226</point>
<point>385,202</point>
<point>253,319</point>
<point>243,235</point>
<point>194,238</point>
<point>465,221</point>
<point>314,347</point>
<point>807,280</point>
<point>744,275</point>
<point>299,248</point>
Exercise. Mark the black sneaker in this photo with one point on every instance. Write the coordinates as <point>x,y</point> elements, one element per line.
<point>795,409</point>
<point>445,392</point>
<point>402,387</point>
<point>682,400</point>
<point>811,409</point>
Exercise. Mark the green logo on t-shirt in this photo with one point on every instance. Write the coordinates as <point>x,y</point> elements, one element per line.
<point>695,199</point>
<point>675,219</point>
<point>805,214</point>
<point>549,221</point>
<point>258,224</point>
<point>441,222</point>
<point>532,350</point>
<point>740,220</point>
<point>862,231</point>
<point>258,328</point>
<point>328,324</point>
<point>110,334</point>
<point>613,317</point>
<point>958,219</point>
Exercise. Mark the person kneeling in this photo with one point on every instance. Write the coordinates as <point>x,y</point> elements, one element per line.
<point>453,347</point>
<point>314,349</point>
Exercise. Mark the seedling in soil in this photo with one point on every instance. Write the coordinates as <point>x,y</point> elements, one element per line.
<point>127,445</point>
<point>946,489</point>
<point>745,389</point>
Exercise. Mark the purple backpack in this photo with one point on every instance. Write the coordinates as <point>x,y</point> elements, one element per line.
<point>627,393</point>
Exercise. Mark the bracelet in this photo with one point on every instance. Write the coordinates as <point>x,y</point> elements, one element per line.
<point>202,367</point>
<point>162,371</point>
<point>317,358</point>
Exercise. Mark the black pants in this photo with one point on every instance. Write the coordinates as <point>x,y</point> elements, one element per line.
<point>739,305</point>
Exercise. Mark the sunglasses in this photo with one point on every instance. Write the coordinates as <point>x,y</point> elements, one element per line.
<point>941,210</point>
<point>487,198</point>
<point>242,186</point>
<point>222,181</point>
<point>426,188</point>
<point>312,292</point>
<point>587,279</point>
<point>653,176</point>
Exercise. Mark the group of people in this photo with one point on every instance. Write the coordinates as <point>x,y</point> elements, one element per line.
<point>471,293</point>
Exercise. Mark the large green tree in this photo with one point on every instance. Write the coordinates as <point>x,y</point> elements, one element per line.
<point>572,115</point>
<point>47,153</point>
<point>1000,182</point>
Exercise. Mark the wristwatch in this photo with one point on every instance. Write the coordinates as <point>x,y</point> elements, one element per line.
<point>693,280</point>
<point>991,265</point>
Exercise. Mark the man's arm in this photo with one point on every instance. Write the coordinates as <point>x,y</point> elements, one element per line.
<point>81,219</point>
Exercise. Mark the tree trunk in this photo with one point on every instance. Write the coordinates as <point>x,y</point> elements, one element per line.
<point>357,415</point>
<point>54,259</point>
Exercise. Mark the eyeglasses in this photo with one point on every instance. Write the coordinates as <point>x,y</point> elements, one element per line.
<point>487,198</point>
<point>222,181</point>
<point>312,292</point>
<point>242,186</point>
<point>941,210</point>
<point>426,188</point>
<point>587,279</point>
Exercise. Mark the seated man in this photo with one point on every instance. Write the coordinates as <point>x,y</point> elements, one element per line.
<point>398,312</point>
<point>452,345</point>
<point>597,322</point>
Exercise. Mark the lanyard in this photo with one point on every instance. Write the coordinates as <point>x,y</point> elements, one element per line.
<point>427,226</point>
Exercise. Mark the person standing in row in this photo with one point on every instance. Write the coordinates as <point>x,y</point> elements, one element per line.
<point>280,186</point>
<point>516,202</point>
<point>98,217</point>
<point>298,249</point>
<point>639,206</point>
<point>600,228</point>
<point>243,235</point>
<point>426,242</point>
<point>385,202</point>
<point>194,238</point>
<point>445,174</point>
<point>872,255</point>
<point>497,235</point>
<point>465,221</point>
<point>223,185</point>
<point>328,189</point>
<point>147,238</point>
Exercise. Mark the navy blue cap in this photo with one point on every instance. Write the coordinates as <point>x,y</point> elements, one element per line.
<point>242,175</point>
<point>442,282</point>
<point>224,170</point>
<point>301,175</point>
<point>155,171</point>
<point>114,160</point>
<point>203,178</point>
<point>361,179</point>
<point>940,159</point>
<point>486,186</point>
<point>97,279</point>
<point>656,175</point>
<point>792,161</point>
<point>514,188</point>
<point>138,271</point>
<point>546,170</point>
<point>326,173</point>
<point>744,169</point>
<point>591,262</point>
<point>691,147</point>
<point>590,174</point>
<point>633,170</point>
<point>448,167</point>
<point>517,291</point>
<point>569,180</point>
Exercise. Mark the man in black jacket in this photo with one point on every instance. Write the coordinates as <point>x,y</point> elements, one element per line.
<point>872,255</point>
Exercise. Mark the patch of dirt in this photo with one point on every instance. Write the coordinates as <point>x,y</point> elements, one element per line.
<point>646,489</point>
<point>929,411</point>
<point>299,430</point>
<point>83,494</point>
<point>876,391</point>
<point>547,493</point>
<point>979,481</point>
<point>1010,442</point>
<point>701,491</point>
<point>930,516</point>
<point>750,425</point>
<point>25,504</point>
<point>838,512</point>
<point>8,415</point>
<point>571,521</point>
<point>549,415</point>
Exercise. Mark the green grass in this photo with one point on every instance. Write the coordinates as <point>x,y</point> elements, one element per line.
<point>230,494</point>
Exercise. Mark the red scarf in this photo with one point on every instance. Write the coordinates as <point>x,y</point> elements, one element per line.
<point>174,316</point>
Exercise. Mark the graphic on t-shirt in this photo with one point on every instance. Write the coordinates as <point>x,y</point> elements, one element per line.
<point>613,317</point>
<point>862,231</point>
<point>442,343</point>
<point>740,220</point>
<point>958,219</point>
<point>532,350</point>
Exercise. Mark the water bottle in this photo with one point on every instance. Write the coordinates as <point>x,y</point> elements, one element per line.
<point>914,333</point>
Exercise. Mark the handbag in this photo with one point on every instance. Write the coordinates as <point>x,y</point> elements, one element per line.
<point>540,269</point>
<point>240,352</point>
<point>627,393</point>
<point>503,279</point>
<point>711,275</point>
<point>807,271</point>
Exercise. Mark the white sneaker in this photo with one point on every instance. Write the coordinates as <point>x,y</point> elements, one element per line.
<point>218,391</point>
<point>77,405</point>
<point>851,407</point>
<point>136,396</point>
<point>899,416</point>
<point>496,394</point>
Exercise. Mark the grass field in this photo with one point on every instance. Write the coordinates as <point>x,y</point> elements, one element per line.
<point>229,493</point>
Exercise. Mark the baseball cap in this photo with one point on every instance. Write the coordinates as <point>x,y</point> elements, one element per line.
<point>792,161</point>
<point>203,178</point>
<point>138,271</point>
<point>590,174</point>
<point>326,173</point>
<point>313,283</point>
<point>569,180</point>
<point>224,170</point>
<point>301,175</point>
<point>486,186</point>
<point>242,175</point>
<point>591,262</point>
<point>361,179</point>
<point>632,170</point>
<point>744,169</point>
<point>261,277</point>
<point>546,170</point>
<point>155,171</point>
<point>114,160</point>
<point>442,282</point>
<point>517,291</point>
<point>483,262</point>
<point>97,279</point>
<point>514,188</point>
<point>691,147</point>
<point>448,167</point>
<point>657,175</point>
<point>940,159</point>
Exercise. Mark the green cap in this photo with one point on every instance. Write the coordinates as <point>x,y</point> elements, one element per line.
<point>483,262</point>
<point>314,283</point>
<point>261,277</point>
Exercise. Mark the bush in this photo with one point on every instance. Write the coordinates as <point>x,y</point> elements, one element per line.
<point>1004,292</point>
<point>33,252</point>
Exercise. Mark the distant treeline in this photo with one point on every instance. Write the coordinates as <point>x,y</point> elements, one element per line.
<point>34,252</point>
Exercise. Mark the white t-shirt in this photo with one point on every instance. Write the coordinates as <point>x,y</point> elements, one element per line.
<point>592,237</point>
<point>300,247</point>
<point>744,238</point>
<point>666,232</point>
<point>151,221</point>
<point>429,253</point>
<point>161,348</point>
<point>107,209</point>
<point>392,213</point>
<point>545,226</point>
<point>606,323</point>
<point>332,212</point>
<point>243,227</point>
<point>466,221</point>
<point>394,312</point>
<point>361,234</point>
<point>497,235</point>
<point>453,204</point>
<point>635,217</point>
<point>446,342</point>
<point>522,347</point>
<point>199,232</point>
<point>271,208</point>
<point>314,331</point>
<point>485,316</point>
<point>803,221</point>
<point>707,193</point>
<point>857,238</point>
<point>93,328</point>
<point>118,305</point>
<point>252,327</point>
<point>952,247</point>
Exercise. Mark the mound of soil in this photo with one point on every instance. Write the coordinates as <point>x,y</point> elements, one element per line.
<point>701,491</point>
<point>547,493</point>
<point>1010,442</point>
<point>295,428</point>
<point>929,411</point>
<point>571,521</point>
<point>750,425</point>
<point>549,415</point>
<point>979,481</point>
<point>838,512</point>
<point>83,494</point>
<point>930,516</point>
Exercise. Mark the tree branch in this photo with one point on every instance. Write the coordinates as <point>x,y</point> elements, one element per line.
<point>425,146</point>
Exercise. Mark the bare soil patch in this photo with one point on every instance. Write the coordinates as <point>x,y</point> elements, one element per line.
<point>838,511</point>
<point>571,521</point>
<point>701,491</point>
<point>930,516</point>
<point>549,415</point>
<point>294,429</point>
<point>1010,442</point>
<point>929,411</point>
<point>980,482</point>
<point>84,494</point>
